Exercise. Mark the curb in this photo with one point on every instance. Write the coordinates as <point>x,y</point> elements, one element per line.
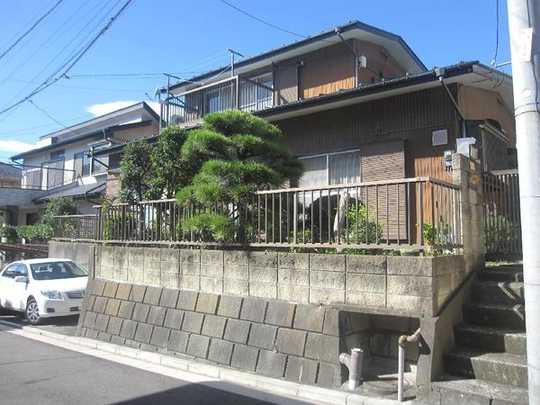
<point>191,370</point>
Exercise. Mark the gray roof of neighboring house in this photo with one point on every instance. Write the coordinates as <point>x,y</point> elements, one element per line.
<point>79,190</point>
<point>368,32</point>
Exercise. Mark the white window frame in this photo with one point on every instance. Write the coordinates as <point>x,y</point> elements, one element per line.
<point>328,155</point>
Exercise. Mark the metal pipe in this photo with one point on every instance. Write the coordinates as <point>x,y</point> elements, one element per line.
<point>402,342</point>
<point>353,362</point>
<point>524,23</point>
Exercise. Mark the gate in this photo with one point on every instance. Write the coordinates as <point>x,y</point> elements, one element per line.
<point>502,221</point>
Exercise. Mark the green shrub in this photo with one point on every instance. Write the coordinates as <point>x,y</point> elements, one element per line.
<point>438,240</point>
<point>209,227</point>
<point>360,228</point>
<point>35,233</point>
<point>8,232</point>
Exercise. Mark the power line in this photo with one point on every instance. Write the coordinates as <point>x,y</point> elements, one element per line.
<point>70,63</point>
<point>269,24</point>
<point>29,30</point>
<point>46,113</point>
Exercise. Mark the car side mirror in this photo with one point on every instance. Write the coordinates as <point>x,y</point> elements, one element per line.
<point>21,279</point>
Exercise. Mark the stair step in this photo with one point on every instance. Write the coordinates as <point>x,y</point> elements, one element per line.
<point>498,292</point>
<point>501,274</point>
<point>501,368</point>
<point>496,340</point>
<point>496,316</point>
<point>454,390</point>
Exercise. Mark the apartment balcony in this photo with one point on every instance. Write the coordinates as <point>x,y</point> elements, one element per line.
<point>49,176</point>
<point>189,108</point>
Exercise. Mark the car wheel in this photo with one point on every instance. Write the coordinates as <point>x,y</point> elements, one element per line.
<point>32,312</point>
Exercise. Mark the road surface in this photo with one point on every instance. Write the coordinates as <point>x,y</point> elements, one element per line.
<point>32,372</point>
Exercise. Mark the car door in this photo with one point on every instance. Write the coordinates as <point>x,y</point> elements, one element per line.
<point>7,284</point>
<point>18,295</point>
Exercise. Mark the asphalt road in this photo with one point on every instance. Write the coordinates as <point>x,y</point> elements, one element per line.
<point>32,372</point>
<point>66,325</point>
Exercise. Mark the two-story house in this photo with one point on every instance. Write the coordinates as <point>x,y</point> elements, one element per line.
<point>65,163</point>
<point>357,104</point>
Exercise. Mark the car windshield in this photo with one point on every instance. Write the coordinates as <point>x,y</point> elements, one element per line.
<point>56,270</point>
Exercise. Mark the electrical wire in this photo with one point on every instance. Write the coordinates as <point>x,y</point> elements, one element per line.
<point>267,23</point>
<point>70,63</point>
<point>46,113</point>
<point>29,30</point>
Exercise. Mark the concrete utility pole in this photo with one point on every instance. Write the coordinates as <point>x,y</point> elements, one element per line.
<point>524,24</point>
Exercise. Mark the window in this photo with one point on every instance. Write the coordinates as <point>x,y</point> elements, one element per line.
<point>81,164</point>
<point>328,169</point>
<point>58,155</point>
<point>56,271</point>
<point>17,269</point>
<point>10,272</point>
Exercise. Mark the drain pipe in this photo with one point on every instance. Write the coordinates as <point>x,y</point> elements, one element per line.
<point>402,342</point>
<point>353,362</point>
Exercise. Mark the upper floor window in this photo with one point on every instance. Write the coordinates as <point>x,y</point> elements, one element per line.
<point>330,169</point>
<point>81,164</point>
<point>58,155</point>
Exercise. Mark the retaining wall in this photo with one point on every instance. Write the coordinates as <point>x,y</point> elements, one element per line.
<point>415,286</point>
<point>284,315</point>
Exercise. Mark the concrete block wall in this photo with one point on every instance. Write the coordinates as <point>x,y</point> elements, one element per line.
<point>417,286</point>
<point>297,342</point>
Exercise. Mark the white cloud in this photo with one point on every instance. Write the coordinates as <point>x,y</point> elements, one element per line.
<point>100,109</point>
<point>12,146</point>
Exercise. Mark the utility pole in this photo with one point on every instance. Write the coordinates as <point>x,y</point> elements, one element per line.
<point>524,23</point>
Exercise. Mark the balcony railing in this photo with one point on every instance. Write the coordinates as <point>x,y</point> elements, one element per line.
<point>48,176</point>
<point>416,213</point>
<point>188,109</point>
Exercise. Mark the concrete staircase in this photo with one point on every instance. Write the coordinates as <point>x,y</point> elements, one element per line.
<point>489,365</point>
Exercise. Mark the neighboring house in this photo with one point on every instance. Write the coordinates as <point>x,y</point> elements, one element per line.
<point>357,105</point>
<point>66,164</point>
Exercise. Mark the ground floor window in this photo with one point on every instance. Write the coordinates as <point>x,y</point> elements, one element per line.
<point>331,168</point>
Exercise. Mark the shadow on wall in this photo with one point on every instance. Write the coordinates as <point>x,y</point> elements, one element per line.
<point>210,393</point>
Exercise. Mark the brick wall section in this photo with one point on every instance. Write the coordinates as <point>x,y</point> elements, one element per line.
<point>296,342</point>
<point>416,286</point>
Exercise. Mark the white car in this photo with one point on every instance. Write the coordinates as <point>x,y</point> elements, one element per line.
<point>43,288</point>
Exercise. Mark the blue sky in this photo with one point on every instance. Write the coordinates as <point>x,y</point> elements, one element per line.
<point>192,36</point>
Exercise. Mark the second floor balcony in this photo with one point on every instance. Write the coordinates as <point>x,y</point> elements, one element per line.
<point>188,108</point>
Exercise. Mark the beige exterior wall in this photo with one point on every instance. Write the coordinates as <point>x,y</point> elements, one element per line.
<point>479,104</point>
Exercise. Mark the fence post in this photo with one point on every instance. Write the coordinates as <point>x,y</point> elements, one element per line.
<point>466,175</point>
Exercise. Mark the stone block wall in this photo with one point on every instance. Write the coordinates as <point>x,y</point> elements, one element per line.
<point>416,286</point>
<point>297,342</point>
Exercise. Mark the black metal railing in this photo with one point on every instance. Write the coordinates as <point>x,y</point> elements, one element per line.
<point>234,93</point>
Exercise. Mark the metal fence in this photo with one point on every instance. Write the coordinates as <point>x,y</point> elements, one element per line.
<point>415,212</point>
<point>190,107</point>
<point>76,226</point>
<point>502,220</point>
<point>48,176</point>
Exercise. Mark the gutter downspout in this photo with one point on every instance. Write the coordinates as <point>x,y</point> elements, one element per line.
<point>338,33</point>
<point>440,73</point>
<point>402,342</point>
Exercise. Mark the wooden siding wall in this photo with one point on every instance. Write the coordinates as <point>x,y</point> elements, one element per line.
<point>286,83</point>
<point>409,118</point>
<point>394,137</point>
<point>326,71</point>
<point>331,69</point>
